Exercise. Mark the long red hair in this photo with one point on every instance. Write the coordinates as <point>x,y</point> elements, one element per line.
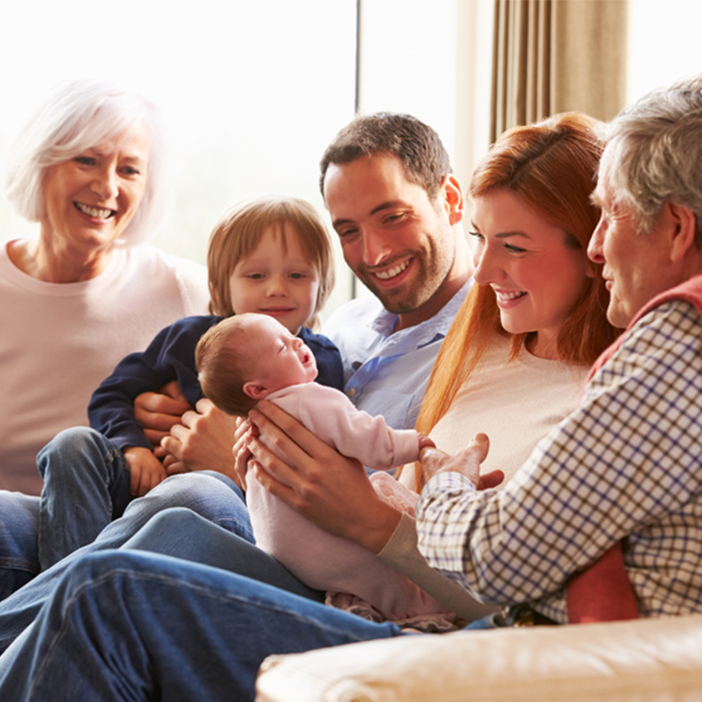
<point>550,166</point>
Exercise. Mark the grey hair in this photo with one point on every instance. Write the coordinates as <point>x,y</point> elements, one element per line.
<point>654,152</point>
<point>77,116</point>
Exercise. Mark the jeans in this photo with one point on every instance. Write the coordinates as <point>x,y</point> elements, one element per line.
<point>19,522</point>
<point>212,495</point>
<point>126,625</point>
<point>183,534</point>
<point>86,486</point>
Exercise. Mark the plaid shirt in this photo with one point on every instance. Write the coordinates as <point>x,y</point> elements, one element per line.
<point>624,465</point>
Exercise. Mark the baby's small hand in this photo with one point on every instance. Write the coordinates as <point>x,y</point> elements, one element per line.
<point>425,442</point>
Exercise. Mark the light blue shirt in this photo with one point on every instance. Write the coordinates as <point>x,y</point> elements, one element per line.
<point>386,372</point>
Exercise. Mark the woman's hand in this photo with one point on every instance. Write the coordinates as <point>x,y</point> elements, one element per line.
<point>157,412</point>
<point>202,440</point>
<point>330,490</point>
<point>240,449</point>
<point>466,462</point>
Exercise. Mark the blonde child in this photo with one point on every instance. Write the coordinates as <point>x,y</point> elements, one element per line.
<point>246,358</point>
<point>271,256</point>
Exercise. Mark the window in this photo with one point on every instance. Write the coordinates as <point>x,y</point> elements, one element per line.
<point>663,43</point>
<point>252,91</point>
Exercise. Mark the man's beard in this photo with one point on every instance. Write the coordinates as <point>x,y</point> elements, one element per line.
<point>421,289</point>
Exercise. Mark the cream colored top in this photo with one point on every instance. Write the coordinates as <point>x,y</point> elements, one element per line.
<point>515,403</point>
<point>60,341</point>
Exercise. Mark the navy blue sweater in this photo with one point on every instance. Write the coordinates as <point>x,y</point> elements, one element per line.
<point>171,356</point>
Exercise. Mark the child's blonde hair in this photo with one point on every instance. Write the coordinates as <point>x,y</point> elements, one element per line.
<point>240,231</point>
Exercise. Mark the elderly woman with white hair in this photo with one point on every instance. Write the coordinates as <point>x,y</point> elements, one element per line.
<point>90,168</point>
<point>74,300</point>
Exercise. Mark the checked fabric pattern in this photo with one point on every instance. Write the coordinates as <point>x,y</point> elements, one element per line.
<point>625,465</point>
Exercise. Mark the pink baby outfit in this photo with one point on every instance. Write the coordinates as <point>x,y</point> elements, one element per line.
<point>322,560</point>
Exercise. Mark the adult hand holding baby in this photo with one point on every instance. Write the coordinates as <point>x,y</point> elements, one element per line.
<point>329,489</point>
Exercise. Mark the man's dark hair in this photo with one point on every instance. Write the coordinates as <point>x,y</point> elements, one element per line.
<point>418,147</point>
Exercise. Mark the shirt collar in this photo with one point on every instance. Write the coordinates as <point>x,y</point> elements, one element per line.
<point>427,331</point>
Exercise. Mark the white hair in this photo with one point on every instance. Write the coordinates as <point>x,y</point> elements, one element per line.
<point>79,116</point>
<point>654,152</point>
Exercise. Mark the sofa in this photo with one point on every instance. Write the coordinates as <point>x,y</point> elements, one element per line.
<point>642,660</point>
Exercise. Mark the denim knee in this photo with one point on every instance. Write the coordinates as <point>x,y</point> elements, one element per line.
<point>212,496</point>
<point>75,442</point>
<point>19,561</point>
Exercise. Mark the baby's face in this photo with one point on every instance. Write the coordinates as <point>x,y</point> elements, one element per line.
<point>282,359</point>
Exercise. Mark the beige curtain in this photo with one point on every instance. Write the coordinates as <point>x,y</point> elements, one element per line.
<point>556,55</point>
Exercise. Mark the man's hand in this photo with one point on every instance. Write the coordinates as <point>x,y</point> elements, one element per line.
<point>202,440</point>
<point>466,462</point>
<point>329,489</point>
<point>240,449</point>
<point>145,470</point>
<point>157,412</point>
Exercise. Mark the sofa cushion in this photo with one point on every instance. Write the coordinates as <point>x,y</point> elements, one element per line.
<point>644,660</point>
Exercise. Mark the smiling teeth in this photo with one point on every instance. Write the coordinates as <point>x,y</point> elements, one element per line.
<point>387,275</point>
<point>507,296</point>
<point>96,212</point>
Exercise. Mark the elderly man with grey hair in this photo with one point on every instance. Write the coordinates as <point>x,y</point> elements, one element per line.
<point>622,468</point>
<point>625,465</point>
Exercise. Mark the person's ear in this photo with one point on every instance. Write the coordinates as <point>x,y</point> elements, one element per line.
<point>453,200</point>
<point>254,390</point>
<point>683,228</point>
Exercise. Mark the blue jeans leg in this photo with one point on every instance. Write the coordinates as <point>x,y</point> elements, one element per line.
<point>19,519</point>
<point>183,534</point>
<point>86,486</point>
<point>132,626</point>
<point>212,495</point>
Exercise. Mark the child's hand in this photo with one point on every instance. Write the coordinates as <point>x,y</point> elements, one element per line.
<point>145,470</point>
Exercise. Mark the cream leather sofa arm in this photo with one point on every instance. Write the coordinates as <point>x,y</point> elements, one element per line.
<point>644,661</point>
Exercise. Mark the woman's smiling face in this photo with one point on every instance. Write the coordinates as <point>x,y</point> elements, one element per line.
<point>91,198</point>
<point>535,268</point>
